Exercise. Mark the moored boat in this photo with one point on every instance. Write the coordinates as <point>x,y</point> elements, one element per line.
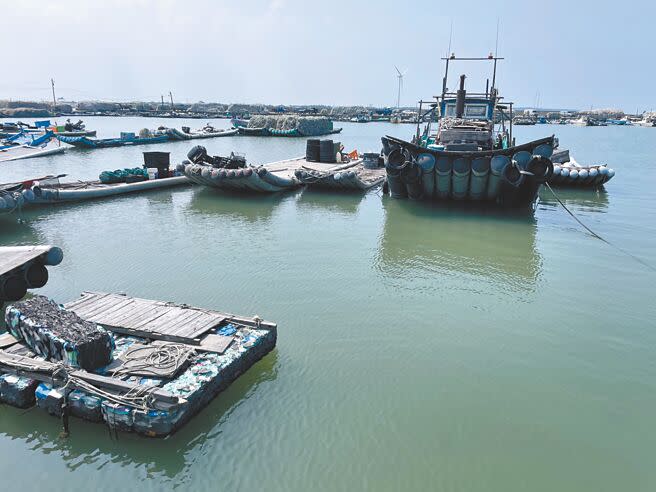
<point>568,172</point>
<point>101,143</point>
<point>26,146</point>
<point>468,158</point>
<point>232,173</point>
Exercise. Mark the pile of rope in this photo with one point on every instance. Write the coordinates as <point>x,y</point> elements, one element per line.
<point>155,359</point>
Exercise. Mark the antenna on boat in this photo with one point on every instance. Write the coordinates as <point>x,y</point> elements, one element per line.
<point>496,43</point>
<point>448,52</point>
<point>400,77</point>
<point>54,99</point>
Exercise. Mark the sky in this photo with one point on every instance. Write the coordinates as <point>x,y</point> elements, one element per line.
<point>561,54</point>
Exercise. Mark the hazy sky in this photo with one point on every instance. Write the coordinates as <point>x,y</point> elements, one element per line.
<point>574,54</point>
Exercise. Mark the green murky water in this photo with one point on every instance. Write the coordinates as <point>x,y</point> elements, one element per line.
<point>420,348</point>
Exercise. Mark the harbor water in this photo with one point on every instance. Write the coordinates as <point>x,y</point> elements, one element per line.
<point>420,347</point>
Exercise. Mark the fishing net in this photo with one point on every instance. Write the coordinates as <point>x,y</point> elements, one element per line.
<point>59,335</point>
<point>306,125</point>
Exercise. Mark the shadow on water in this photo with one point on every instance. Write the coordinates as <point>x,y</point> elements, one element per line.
<point>330,201</point>
<point>91,444</point>
<point>18,228</point>
<point>585,200</point>
<point>497,244</point>
<point>247,206</point>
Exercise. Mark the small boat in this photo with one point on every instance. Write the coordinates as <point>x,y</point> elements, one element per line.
<point>568,172</point>
<point>648,121</point>
<point>101,143</point>
<point>48,190</point>
<point>25,146</point>
<point>208,131</point>
<point>357,175</point>
<point>523,121</point>
<point>239,123</point>
<point>468,158</point>
<point>232,173</point>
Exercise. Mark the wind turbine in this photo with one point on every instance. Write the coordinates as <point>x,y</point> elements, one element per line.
<point>400,77</point>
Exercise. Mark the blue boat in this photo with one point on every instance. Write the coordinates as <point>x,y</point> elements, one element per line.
<point>101,143</point>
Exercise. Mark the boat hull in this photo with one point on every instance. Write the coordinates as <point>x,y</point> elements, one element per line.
<point>508,177</point>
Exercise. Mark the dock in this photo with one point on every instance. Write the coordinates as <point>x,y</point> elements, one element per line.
<point>24,267</point>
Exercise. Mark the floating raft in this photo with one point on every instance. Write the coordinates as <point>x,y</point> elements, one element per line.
<point>168,362</point>
<point>270,178</point>
<point>509,177</point>
<point>51,191</point>
<point>567,172</point>
<point>101,143</point>
<point>352,176</point>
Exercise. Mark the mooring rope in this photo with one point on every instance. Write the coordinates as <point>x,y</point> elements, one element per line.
<point>597,236</point>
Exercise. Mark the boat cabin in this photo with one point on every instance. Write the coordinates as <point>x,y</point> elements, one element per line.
<point>466,120</point>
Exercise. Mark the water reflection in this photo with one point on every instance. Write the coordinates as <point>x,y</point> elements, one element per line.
<point>586,200</point>
<point>329,201</point>
<point>246,206</point>
<point>497,245</point>
<point>92,444</point>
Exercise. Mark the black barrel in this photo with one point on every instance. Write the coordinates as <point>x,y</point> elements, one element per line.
<point>312,150</point>
<point>395,161</point>
<point>327,151</point>
<point>159,160</point>
<point>411,176</point>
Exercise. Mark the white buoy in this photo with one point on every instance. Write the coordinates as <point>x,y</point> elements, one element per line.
<point>564,172</point>
<point>583,174</point>
<point>593,173</point>
<point>556,171</point>
<point>611,173</point>
<point>573,174</point>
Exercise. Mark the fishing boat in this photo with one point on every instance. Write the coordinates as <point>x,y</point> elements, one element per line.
<point>648,120</point>
<point>468,157</point>
<point>232,173</point>
<point>49,190</point>
<point>26,146</point>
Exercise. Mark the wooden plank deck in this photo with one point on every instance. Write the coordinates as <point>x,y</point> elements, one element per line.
<point>146,318</point>
<point>12,257</point>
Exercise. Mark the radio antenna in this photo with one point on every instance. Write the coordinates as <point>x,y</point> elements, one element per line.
<point>496,43</point>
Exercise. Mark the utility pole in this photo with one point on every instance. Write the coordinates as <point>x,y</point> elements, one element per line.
<point>54,100</point>
<point>171,96</point>
<point>162,106</point>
